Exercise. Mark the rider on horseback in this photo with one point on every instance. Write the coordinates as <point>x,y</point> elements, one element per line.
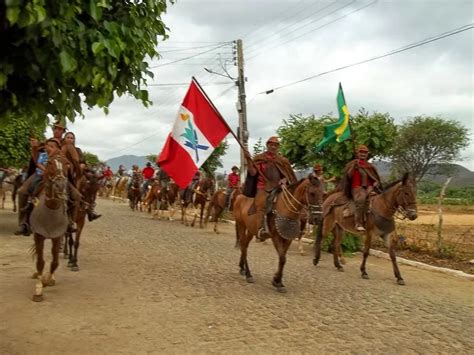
<point>233,183</point>
<point>259,168</point>
<point>361,179</point>
<point>148,173</point>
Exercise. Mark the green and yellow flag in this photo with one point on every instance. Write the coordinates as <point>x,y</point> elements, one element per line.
<point>339,131</point>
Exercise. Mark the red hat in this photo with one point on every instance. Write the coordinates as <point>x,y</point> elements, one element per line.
<point>273,139</point>
<point>362,148</point>
<point>317,167</point>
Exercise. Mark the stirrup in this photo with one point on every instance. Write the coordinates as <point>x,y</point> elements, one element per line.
<point>359,227</point>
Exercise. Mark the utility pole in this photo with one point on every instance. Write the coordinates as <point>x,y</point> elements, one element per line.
<point>243,133</point>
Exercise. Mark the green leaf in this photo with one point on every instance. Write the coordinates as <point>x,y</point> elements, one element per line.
<point>3,79</point>
<point>12,14</point>
<point>97,47</point>
<point>40,13</point>
<point>96,12</point>
<point>68,63</point>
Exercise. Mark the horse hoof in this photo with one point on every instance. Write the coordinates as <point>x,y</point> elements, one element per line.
<point>37,298</point>
<point>250,280</point>
<point>69,264</point>
<point>35,275</point>
<point>75,268</point>
<point>315,262</point>
<point>242,272</point>
<point>340,269</point>
<point>365,276</point>
<point>50,283</point>
<point>401,282</point>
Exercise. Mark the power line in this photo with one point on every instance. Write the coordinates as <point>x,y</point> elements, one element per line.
<point>187,84</point>
<point>399,50</point>
<point>319,27</point>
<point>189,57</point>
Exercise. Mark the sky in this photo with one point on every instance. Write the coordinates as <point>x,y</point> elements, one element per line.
<point>288,40</point>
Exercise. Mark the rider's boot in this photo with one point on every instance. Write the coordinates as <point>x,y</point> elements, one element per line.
<point>359,216</point>
<point>263,232</point>
<point>92,215</point>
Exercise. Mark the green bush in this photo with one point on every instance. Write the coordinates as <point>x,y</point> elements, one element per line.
<point>350,243</point>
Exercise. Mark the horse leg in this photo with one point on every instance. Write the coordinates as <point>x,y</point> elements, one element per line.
<point>65,245</point>
<point>172,211</point>
<point>50,280</point>
<point>337,233</point>
<point>323,230</point>
<point>281,245</point>
<point>218,213</point>
<point>75,266</point>
<point>245,237</point>
<point>195,214</point>
<point>368,239</point>
<point>38,275</point>
<point>71,255</point>
<point>201,214</point>
<point>392,240</point>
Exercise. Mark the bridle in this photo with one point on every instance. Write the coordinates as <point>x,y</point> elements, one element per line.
<point>290,200</point>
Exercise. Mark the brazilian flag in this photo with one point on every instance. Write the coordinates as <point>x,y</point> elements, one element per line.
<point>339,131</point>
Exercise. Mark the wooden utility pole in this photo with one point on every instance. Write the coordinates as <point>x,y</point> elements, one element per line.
<point>243,133</point>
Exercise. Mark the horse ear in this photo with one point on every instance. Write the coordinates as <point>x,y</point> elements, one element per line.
<point>405,178</point>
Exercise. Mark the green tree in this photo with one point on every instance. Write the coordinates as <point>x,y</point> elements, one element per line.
<point>214,161</point>
<point>14,141</point>
<point>91,159</point>
<point>300,135</point>
<point>151,158</point>
<point>57,54</point>
<point>425,143</point>
<point>258,147</point>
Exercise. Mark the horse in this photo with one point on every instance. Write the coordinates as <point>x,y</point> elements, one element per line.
<point>135,192</point>
<point>88,185</point>
<point>49,220</point>
<point>217,205</point>
<point>399,196</point>
<point>196,198</point>
<point>119,191</point>
<point>284,222</point>
<point>8,184</point>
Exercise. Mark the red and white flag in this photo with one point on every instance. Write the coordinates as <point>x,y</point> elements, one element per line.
<point>197,131</point>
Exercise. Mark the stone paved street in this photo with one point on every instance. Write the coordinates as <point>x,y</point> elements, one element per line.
<point>148,286</point>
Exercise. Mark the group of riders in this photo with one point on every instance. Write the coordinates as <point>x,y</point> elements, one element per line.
<point>360,179</point>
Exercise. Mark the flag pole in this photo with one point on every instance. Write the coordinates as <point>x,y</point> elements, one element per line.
<point>227,125</point>
<point>218,113</point>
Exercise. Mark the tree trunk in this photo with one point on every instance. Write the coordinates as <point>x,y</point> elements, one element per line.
<point>440,214</point>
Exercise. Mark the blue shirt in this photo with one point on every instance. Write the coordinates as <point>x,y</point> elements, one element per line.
<point>42,159</point>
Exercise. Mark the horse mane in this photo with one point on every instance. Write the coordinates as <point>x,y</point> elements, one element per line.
<point>393,183</point>
<point>295,185</point>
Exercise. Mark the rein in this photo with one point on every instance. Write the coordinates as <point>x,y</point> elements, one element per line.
<point>288,197</point>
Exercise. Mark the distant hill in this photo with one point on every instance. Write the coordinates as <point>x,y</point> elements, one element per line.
<point>461,176</point>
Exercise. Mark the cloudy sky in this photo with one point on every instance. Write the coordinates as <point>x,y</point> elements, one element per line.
<point>288,40</point>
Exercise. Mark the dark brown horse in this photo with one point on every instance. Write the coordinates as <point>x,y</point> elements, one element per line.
<point>49,220</point>
<point>284,222</point>
<point>196,198</point>
<point>88,186</point>
<point>217,206</point>
<point>135,192</point>
<point>338,217</point>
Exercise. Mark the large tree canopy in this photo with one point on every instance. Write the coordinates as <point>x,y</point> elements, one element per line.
<point>427,142</point>
<point>57,54</point>
<point>300,135</point>
<point>15,143</point>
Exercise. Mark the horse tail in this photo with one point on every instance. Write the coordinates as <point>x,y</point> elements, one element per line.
<point>208,212</point>
<point>319,234</point>
<point>32,251</point>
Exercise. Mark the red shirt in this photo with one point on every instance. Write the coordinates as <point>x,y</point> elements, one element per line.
<point>148,172</point>
<point>233,180</point>
<point>262,166</point>
<point>357,176</point>
<point>108,173</point>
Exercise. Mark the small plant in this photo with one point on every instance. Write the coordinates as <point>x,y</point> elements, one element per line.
<point>350,243</point>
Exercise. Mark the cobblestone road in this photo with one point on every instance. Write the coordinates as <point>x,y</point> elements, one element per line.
<point>158,287</point>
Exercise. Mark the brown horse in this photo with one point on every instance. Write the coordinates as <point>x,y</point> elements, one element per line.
<point>217,206</point>
<point>49,220</point>
<point>157,195</point>
<point>398,196</point>
<point>88,186</point>
<point>8,183</point>
<point>135,192</point>
<point>284,222</point>
<point>119,190</point>
<point>196,198</point>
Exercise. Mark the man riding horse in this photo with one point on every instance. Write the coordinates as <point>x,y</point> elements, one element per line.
<point>266,172</point>
<point>233,183</point>
<point>361,179</point>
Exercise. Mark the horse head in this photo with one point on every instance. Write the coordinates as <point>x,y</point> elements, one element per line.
<point>406,197</point>
<point>205,185</point>
<point>89,186</point>
<point>55,183</point>
<point>313,198</point>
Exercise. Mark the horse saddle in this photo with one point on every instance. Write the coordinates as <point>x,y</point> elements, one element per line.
<point>348,209</point>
